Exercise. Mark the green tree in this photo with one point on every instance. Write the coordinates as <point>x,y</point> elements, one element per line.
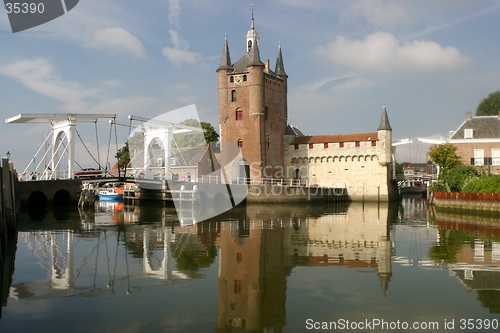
<point>197,139</point>
<point>489,106</point>
<point>123,158</point>
<point>445,156</point>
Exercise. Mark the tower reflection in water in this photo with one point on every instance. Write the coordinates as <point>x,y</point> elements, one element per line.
<point>128,249</point>
<point>259,251</point>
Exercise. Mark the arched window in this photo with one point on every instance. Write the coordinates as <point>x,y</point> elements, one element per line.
<point>231,79</point>
<point>233,96</point>
<point>240,143</point>
<point>239,114</point>
<point>244,77</point>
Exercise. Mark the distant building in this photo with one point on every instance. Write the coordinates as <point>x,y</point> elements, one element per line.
<point>478,141</point>
<point>191,163</point>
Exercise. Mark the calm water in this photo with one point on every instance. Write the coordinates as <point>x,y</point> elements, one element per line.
<point>275,268</point>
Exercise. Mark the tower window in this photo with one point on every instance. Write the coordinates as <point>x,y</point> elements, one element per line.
<point>240,143</point>
<point>341,144</point>
<point>325,145</point>
<point>356,144</point>
<point>244,77</point>
<point>231,79</point>
<point>239,114</point>
<point>238,286</point>
<point>311,146</point>
<point>296,146</point>
<point>233,96</point>
<point>374,143</point>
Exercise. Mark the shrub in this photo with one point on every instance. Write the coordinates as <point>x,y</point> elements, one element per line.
<point>485,184</point>
<point>458,176</point>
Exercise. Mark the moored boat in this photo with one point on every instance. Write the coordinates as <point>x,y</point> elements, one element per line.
<point>110,193</point>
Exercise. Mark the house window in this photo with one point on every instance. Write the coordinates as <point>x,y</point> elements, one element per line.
<point>311,145</point>
<point>478,157</point>
<point>325,145</point>
<point>238,286</point>
<point>468,133</point>
<point>173,161</point>
<point>296,146</point>
<point>495,157</point>
<point>244,77</point>
<point>231,79</point>
<point>239,114</point>
<point>374,143</point>
<point>240,143</point>
<point>233,96</point>
<point>356,144</point>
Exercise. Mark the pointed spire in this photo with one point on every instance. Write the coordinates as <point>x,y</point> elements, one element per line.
<point>225,61</point>
<point>280,67</point>
<point>384,121</point>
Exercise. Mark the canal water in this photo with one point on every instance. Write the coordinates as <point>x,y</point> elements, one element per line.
<point>258,268</point>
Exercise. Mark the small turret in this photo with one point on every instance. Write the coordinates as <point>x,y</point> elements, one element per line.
<point>385,140</point>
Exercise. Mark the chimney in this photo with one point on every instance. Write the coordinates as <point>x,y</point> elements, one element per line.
<point>267,65</point>
<point>468,115</point>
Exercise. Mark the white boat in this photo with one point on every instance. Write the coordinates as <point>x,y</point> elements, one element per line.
<point>110,193</point>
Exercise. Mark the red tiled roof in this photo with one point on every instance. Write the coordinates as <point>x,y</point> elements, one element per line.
<point>335,138</point>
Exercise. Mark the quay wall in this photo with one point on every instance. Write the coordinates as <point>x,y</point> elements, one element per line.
<point>9,202</point>
<point>488,202</point>
<point>9,216</point>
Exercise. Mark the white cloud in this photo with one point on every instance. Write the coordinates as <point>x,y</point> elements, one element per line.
<point>377,13</point>
<point>39,76</point>
<point>179,53</point>
<point>380,52</point>
<point>174,12</point>
<point>116,39</point>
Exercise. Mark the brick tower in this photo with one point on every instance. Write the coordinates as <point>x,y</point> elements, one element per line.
<point>252,112</point>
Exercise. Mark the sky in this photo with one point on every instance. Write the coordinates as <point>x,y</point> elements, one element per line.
<point>428,61</point>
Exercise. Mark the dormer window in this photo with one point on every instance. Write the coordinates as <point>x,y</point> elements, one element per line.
<point>468,133</point>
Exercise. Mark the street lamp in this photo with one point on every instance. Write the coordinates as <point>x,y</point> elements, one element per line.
<point>8,155</point>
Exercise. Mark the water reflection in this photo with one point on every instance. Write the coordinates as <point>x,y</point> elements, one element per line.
<point>260,252</point>
<point>470,247</point>
<point>250,260</point>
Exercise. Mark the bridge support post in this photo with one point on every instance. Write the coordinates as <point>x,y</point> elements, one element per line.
<point>68,128</point>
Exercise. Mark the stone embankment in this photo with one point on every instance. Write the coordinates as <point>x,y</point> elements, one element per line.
<point>467,201</point>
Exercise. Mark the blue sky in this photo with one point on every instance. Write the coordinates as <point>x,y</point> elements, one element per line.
<point>428,61</point>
